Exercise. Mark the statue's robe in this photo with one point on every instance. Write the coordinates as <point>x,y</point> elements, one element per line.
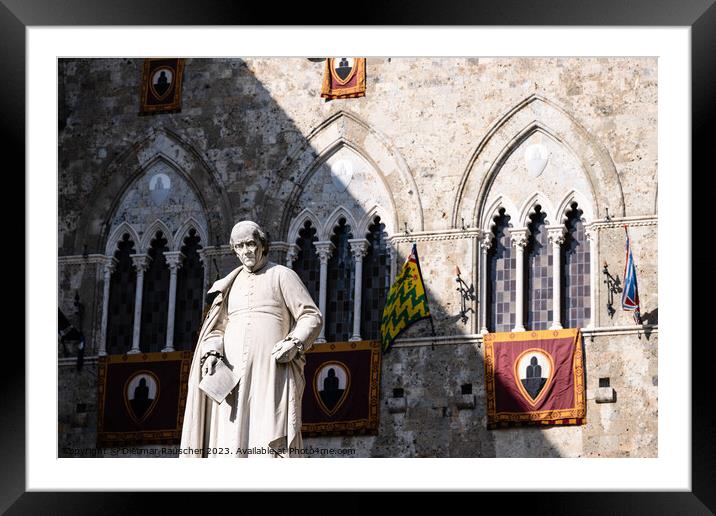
<point>250,314</point>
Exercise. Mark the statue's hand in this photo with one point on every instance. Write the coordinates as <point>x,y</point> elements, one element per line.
<point>284,351</point>
<point>210,365</point>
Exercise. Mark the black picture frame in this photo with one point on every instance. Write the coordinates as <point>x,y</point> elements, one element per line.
<point>699,15</point>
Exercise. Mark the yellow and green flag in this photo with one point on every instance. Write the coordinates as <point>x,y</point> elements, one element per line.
<point>407,301</point>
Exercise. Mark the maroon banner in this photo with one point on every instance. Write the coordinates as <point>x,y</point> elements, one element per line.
<point>344,78</point>
<point>342,389</point>
<point>142,397</point>
<point>161,86</point>
<point>534,378</point>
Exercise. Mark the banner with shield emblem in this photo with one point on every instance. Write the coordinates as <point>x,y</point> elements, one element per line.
<point>161,86</point>
<point>344,78</point>
<point>342,389</point>
<point>142,397</point>
<point>534,377</point>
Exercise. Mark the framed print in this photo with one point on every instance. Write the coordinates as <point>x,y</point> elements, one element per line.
<point>469,150</point>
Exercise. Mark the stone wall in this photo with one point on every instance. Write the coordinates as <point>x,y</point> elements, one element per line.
<point>433,133</point>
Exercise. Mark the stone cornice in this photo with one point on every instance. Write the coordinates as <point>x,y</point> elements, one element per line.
<point>604,331</point>
<point>459,234</point>
<point>78,259</point>
<point>434,236</point>
<point>618,222</point>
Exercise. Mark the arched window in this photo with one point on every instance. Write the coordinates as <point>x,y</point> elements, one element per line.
<point>120,313</point>
<point>501,266</point>
<point>376,281</point>
<point>154,297</point>
<point>339,295</point>
<point>190,293</point>
<point>307,264</point>
<point>576,309</point>
<point>538,273</point>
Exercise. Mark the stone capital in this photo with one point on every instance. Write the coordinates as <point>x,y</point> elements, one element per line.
<point>486,240</point>
<point>591,233</point>
<point>174,259</point>
<point>556,234</point>
<point>110,264</point>
<point>518,237</point>
<point>359,247</point>
<point>140,261</point>
<point>324,250</point>
<point>292,253</point>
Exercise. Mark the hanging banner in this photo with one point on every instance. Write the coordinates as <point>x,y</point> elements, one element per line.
<point>534,377</point>
<point>141,398</point>
<point>161,86</point>
<point>342,389</point>
<point>344,78</point>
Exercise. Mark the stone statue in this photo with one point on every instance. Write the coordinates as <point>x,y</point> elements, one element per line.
<point>260,324</point>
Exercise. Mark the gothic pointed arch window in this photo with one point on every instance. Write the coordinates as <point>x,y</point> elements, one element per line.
<point>538,273</point>
<point>576,273</point>
<point>376,280</point>
<point>154,297</point>
<point>340,285</point>
<point>501,287</point>
<point>189,294</point>
<point>307,264</point>
<point>120,313</point>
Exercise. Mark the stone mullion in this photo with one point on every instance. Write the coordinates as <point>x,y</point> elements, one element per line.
<point>174,261</point>
<point>556,238</point>
<point>359,248</point>
<point>109,267</point>
<point>140,262</point>
<point>485,245</point>
<point>324,250</point>
<point>592,234</point>
<point>518,239</point>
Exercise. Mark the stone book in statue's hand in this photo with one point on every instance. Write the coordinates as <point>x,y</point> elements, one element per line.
<point>218,385</point>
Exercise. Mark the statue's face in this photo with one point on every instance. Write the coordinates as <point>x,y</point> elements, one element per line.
<point>247,247</point>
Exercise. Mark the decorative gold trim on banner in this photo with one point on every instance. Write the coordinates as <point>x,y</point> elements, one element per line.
<point>545,417</point>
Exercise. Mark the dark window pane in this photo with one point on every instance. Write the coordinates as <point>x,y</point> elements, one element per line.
<point>120,314</point>
<point>501,268</point>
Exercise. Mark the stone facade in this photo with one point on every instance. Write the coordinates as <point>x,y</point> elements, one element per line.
<point>436,148</point>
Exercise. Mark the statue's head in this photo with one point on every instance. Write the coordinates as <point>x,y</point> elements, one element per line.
<point>250,244</point>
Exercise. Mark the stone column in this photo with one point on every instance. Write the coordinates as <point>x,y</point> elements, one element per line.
<point>141,262</point>
<point>359,248</point>
<point>109,265</point>
<point>174,261</point>
<point>593,239</point>
<point>556,238</point>
<point>518,239</point>
<point>324,250</point>
<point>291,255</point>
<point>485,245</point>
